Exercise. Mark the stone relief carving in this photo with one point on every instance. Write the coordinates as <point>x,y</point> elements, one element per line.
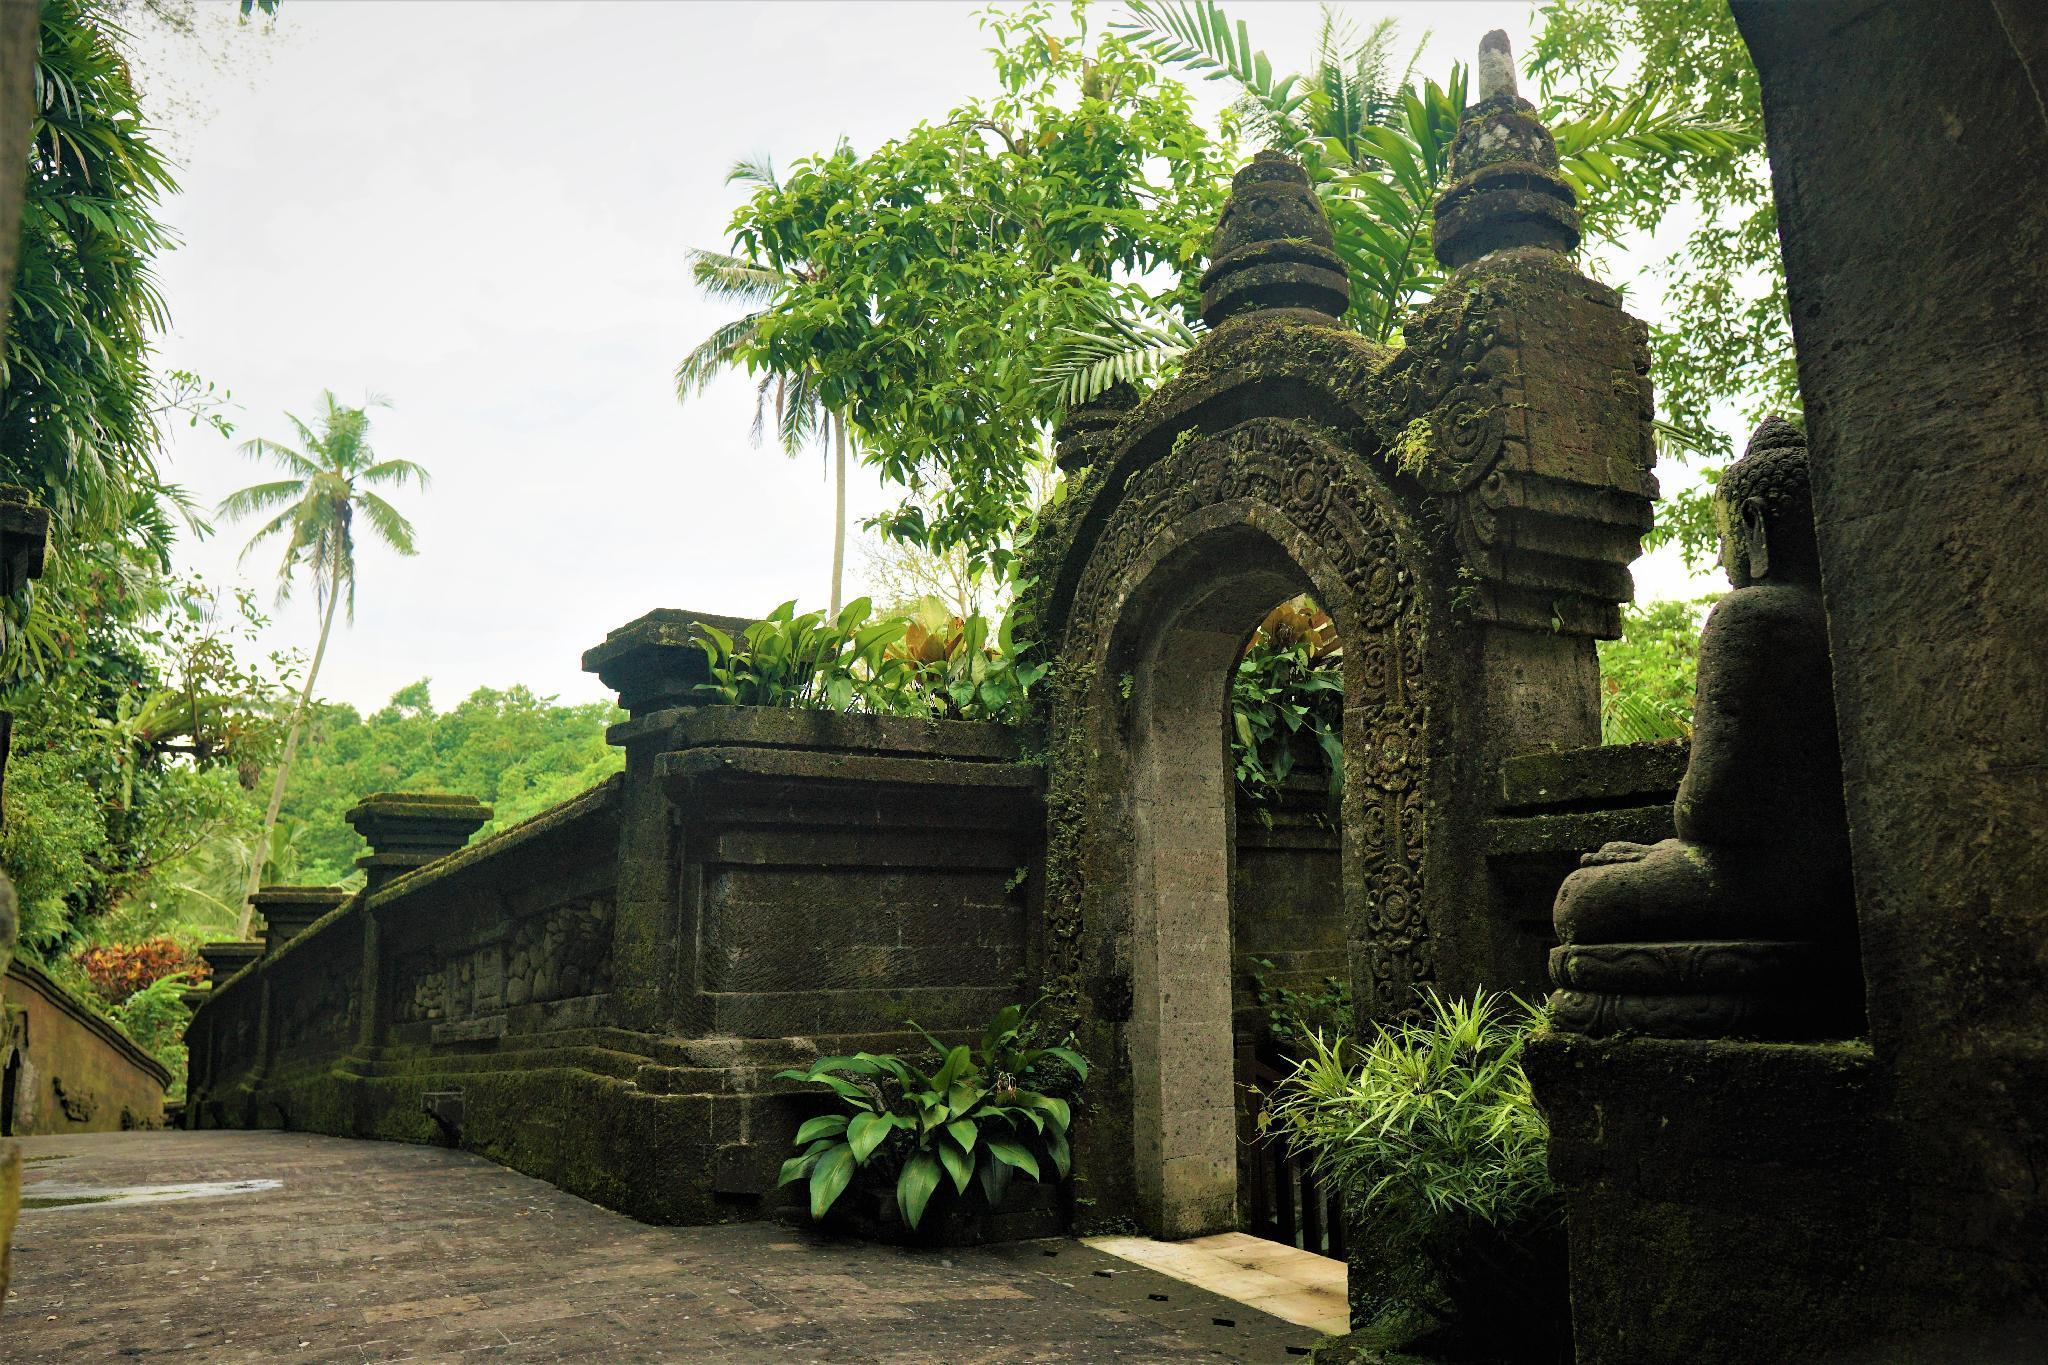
<point>559,954</point>
<point>1292,469</point>
<point>78,1105</point>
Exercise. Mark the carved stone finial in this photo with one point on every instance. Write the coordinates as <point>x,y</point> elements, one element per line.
<point>1273,248</point>
<point>653,662</point>
<point>288,910</point>
<point>1496,67</point>
<point>1505,190</point>
<point>1083,434</point>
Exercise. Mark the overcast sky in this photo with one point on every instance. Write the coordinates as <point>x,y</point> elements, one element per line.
<point>479,211</point>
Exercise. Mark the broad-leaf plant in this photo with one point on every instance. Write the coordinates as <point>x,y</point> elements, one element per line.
<point>974,1122</point>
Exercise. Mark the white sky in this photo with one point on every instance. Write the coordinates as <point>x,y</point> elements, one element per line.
<point>479,210</point>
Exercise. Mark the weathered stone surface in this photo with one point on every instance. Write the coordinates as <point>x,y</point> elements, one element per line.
<point>1273,248</point>
<point>1611,775</point>
<point>653,661</point>
<point>67,1069</point>
<point>1087,431</point>
<point>288,910</point>
<point>433,1254</point>
<point>769,727</point>
<point>408,830</point>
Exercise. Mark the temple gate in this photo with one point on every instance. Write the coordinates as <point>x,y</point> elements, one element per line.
<point>1464,507</point>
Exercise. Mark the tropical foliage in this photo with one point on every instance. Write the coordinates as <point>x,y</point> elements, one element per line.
<point>1431,1133</point>
<point>327,484</point>
<point>132,749</point>
<point>118,970</point>
<point>793,396</point>
<point>922,664</point>
<point>518,752</point>
<point>928,278</point>
<point>1647,677</point>
<point>1287,704</point>
<point>971,1122</point>
<point>1725,339</point>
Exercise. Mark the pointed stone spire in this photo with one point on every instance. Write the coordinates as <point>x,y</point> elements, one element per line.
<point>1496,67</point>
<point>1273,248</point>
<point>1505,189</point>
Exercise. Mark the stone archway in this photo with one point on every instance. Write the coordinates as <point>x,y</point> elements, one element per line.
<point>1200,547</point>
<point>1463,508</point>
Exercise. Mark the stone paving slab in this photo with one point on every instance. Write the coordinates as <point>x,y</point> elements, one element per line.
<point>370,1251</point>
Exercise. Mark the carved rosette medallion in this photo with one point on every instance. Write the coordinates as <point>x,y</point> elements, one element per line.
<point>1286,473</point>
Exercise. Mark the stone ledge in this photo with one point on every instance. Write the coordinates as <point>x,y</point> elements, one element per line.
<point>1532,836</point>
<point>1586,778</point>
<point>692,772</point>
<point>770,727</point>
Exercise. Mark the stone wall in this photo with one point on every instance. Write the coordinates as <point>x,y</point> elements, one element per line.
<point>65,1069</point>
<point>799,882</point>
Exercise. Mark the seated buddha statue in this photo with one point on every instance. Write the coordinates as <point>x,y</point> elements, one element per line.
<point>1744,925</point>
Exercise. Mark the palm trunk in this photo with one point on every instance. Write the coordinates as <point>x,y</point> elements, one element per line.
<point>838,511</point>
<point>284,764</point>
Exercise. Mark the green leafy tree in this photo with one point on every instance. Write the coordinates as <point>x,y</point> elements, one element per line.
<point>328,482</point>
<point>924,283</point>
<point>793,396</point>
<point>517,751</point>
<point>1726,339</point>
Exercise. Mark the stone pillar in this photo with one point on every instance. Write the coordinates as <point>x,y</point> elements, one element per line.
<point>227,956</point>
<point>1532,408</point>
<point>405,830</point>
<point>656,667</point>
<point>288,910</point>
<point>1909,153</point>
<point>408,830</point>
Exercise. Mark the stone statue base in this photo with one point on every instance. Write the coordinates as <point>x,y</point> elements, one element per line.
<point>1732,988</point>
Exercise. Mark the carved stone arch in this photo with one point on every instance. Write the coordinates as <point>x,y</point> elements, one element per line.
<point>1464,506</point>
<point>1196,547</point>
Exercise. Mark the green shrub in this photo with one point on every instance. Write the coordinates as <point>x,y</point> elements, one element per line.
<point>1294,1015</point>
<point>974,1121</point>
<point>155,1017</point>
<point>1432,1136</point>
<point>810,662</point>
<point>950,668</point>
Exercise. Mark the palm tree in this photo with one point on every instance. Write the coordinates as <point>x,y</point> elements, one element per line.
<point>800,413</point>
<point>315,508</point>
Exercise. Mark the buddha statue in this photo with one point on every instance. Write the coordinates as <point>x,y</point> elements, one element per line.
<point>1744,925</point>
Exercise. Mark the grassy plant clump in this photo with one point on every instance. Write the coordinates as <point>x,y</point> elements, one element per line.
<point>1431,1134</point>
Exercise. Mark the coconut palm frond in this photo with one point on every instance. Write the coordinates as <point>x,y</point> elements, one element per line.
<point>715,355</point>
<point>1198,36</point>
<point>731,279</point>
<point>1116,348</point>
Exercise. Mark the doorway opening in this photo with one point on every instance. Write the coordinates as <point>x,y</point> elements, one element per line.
<point>10,1091</point>
<point>1290,969</point>
<point>1237,911</point>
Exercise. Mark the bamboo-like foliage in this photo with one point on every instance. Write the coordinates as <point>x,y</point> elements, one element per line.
<point>1429,1130</point>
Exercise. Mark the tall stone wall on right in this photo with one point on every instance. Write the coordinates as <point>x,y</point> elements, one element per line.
<point>1909,149</point>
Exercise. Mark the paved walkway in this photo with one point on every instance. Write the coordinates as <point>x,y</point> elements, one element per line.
<point>380,1251</point>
